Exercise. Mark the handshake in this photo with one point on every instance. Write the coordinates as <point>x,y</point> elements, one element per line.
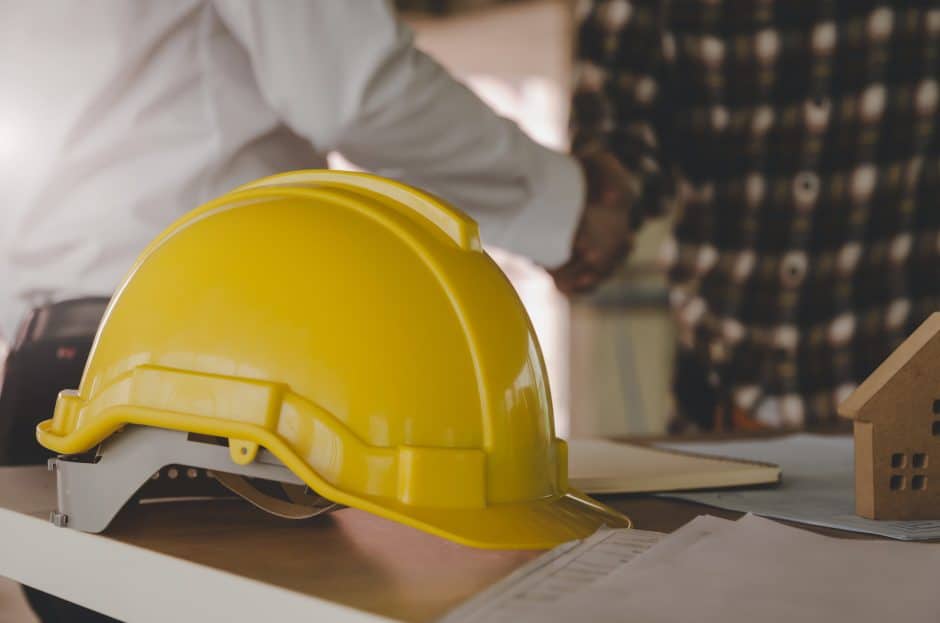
<point>605,234</point>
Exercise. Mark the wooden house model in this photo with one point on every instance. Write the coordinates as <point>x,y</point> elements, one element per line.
<point>897,431</point>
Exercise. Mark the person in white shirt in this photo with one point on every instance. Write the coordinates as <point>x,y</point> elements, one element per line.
<point>117,117</point>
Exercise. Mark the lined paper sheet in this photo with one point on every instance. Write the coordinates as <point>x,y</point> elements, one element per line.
<point>666,551</point>
<point>555,576</point>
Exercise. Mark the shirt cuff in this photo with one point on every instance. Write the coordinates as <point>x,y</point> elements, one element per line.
<point>544,228</point>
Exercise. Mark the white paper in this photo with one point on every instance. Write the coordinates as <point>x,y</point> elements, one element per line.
<point>667,550</point>
<point>817,487</point>
<point>759,570</point>
<point>554,577</point>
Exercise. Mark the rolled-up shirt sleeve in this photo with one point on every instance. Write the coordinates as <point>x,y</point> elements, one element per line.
<point>347,77</point>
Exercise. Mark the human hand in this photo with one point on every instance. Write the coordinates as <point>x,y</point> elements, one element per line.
<point>604,235</point>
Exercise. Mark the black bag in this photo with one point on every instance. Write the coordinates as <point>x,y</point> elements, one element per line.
<point>47,356</point>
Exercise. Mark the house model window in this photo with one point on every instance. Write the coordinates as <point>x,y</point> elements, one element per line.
<point>897,431</point>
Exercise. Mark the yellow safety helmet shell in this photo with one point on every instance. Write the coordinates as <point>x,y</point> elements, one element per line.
<point>354,327</point>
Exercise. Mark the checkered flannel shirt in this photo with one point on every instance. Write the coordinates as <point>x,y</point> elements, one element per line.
<point>798,142</point>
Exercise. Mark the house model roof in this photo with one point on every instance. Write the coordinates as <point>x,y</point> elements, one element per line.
<point>853,405</point>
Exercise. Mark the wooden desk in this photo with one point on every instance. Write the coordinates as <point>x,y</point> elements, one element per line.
<point>351,558</point>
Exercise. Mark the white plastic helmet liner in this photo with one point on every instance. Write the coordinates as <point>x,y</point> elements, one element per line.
<point>91,493</point>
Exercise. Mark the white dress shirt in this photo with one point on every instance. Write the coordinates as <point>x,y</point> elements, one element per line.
<point>117,117</point>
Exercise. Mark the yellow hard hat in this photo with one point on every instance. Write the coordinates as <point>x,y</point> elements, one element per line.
<point>353,327</point>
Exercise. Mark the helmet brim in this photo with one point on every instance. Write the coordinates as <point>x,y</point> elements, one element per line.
<point>538,524</point>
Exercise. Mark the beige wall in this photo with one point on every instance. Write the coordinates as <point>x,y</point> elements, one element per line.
<point>622,349</point>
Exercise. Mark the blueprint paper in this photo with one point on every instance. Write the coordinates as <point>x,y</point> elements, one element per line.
<point>817,487</point>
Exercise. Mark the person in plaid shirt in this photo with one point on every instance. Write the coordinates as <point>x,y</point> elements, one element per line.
<point>798,143</point>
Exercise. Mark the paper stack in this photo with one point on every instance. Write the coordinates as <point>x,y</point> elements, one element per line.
<point>715,570</point>
<point>756,569</point>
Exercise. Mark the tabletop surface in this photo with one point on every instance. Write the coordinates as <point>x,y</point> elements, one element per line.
<point>349,557</point>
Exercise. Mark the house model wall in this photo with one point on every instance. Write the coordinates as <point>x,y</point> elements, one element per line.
<point>897,431</point>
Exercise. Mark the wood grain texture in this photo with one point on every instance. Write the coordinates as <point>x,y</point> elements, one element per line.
<point>896,431</point>
<point>350,556</point>
<point>13,606</point>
